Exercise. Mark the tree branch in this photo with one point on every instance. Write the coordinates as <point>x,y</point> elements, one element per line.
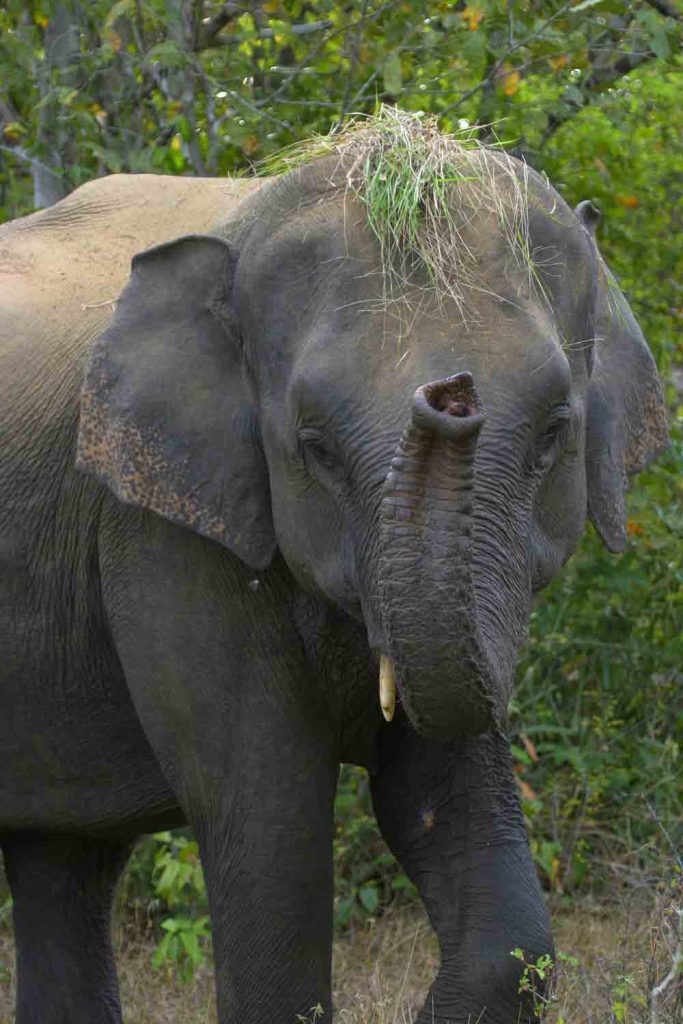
<point>21,154</point>
<point>308,58</point>
<point>666,8</point>
<point>495,68</point>
<point>304,29</point>
<point>210,29</point>
<point>600,76</point>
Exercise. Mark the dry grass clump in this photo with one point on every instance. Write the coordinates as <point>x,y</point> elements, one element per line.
<point>382,973</point>
<point>423,189</point>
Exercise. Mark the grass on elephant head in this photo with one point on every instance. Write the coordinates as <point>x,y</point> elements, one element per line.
<point>382,970</point>
<point>422,188</point>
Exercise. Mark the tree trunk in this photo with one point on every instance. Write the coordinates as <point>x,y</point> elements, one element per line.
<point>55,146</point>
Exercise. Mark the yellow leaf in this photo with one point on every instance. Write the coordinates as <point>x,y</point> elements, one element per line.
<point>526,790</point>
<point>250,144</point>
<point>12,131</point>
<point>176,144</point>
<point>114,40</point>
<point>555,873</point>
<point>628,201</point>
<point>511,83</point>
<point>473,16</point>
<point>529,747</point>
<point>41,21</point>
<point>271,6</point>
<point>559,62</point>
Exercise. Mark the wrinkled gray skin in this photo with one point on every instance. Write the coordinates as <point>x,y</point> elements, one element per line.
<point>269,497</point>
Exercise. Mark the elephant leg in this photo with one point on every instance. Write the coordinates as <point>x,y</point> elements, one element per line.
<point>451,816</point>
<point>264,826</point>
<point>62,888</point>
<point>267,857</point>
<point>244,736</point>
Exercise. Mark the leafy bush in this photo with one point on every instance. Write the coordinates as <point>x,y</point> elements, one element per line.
<point>165,879</point>
<point>367,876</point>
<point>597,713</point>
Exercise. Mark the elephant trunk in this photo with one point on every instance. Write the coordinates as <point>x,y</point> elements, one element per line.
<point>448,684</point>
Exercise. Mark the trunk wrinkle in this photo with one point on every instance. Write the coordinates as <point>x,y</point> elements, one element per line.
<point>445,681</point>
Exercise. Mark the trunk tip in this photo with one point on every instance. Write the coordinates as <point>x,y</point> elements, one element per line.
<point>450,406</point>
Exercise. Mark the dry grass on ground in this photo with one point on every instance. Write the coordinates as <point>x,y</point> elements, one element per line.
<point>383,971</point>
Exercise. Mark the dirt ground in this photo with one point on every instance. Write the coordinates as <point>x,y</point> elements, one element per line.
<point>382,971</point>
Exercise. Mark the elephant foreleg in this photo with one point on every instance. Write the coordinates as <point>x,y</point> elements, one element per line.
<point>239,726</point>
<point>62,888</point>
<point>267,857</point>
<point>451,815</point>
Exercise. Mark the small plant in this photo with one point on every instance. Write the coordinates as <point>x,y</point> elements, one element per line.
<point>178,882</point>
<point>177,875</point>
<point>183,946</point>
<point>537,980</point>
<point>316,1013</point>
<point>626,998</point>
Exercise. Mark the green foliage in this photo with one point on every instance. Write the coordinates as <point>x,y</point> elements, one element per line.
<point>316,1013</point>
<point>536,979</point>
<point>598,698</point>
<point>598,693</point>
<point>367,877</point>
<point>177,876</point>
<point>103,87</point>
<point>183,945</point>
<point>165,880</point>
<point>626,154</point>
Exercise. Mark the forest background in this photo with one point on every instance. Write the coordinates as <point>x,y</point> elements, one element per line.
<point>589,92</point>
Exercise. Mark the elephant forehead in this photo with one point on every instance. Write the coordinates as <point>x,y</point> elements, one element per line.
<point>521,360</point>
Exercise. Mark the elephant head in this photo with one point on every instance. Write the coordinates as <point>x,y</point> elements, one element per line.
<point>423,456</point>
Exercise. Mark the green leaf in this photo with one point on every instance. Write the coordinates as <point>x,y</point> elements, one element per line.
<point>660,43</point>
<point>167,53</point>
<point>344,910</point>
<point>574,95</point>
<point>392,73</point>
<point>369,897</point>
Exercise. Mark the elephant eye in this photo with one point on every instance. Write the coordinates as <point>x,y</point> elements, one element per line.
<point>316,451</point>
<point>554,434</point>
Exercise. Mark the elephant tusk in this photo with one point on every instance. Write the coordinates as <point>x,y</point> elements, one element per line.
<point>387,687</point>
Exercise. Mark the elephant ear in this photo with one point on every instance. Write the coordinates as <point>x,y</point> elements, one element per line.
<point>626,416</point>
<point>167,416</point>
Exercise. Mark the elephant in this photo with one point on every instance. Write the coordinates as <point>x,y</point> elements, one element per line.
<point>280,461</point>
